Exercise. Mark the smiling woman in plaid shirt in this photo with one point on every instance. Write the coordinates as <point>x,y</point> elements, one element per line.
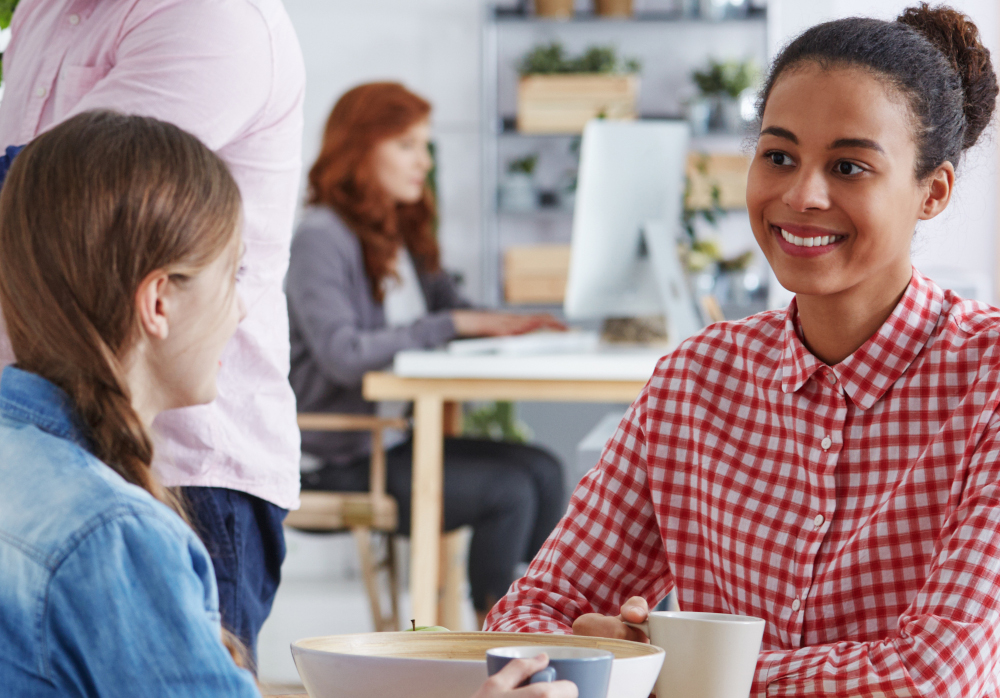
<point>834,467</point>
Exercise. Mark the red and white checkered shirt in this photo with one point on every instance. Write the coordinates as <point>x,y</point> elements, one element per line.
<point>855,507</point>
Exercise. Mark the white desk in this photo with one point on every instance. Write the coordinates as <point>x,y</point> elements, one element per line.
<point>431,378</point>
<point>607,363</point>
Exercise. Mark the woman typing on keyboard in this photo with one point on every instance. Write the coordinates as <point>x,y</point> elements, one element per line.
<point>365,282</point>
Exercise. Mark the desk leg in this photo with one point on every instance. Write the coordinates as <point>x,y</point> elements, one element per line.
<point>426,522</point>
<point>453,418</point>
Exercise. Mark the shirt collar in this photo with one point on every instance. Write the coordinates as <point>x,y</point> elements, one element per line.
<point>29,398</point>
<point>870,371</point>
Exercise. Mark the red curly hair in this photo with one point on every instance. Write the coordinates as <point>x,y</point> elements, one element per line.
<point>343,177</point>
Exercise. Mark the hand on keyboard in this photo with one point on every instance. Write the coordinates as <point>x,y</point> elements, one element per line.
<point>482,323</point>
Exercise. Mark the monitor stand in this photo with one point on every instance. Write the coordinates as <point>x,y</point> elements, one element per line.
<point>683,316</point>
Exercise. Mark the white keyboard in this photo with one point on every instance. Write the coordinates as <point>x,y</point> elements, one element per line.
<point>534,343</point>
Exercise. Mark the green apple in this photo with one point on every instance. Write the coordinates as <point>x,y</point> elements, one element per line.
<point>429,628</point>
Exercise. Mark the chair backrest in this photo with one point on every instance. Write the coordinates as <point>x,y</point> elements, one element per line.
<point>337,511</point>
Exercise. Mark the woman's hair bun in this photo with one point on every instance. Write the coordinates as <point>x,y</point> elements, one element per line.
<point>955,35</point>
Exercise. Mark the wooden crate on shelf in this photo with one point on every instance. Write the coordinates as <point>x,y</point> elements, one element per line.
<point>565,103</point>
<point>726,171</point>
<point>535,274</point>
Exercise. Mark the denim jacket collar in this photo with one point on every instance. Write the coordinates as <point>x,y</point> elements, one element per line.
<point>29,398</point>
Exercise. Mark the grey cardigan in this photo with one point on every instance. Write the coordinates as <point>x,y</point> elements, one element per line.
<point>338,330</point>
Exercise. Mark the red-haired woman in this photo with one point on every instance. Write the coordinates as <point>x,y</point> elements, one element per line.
<point>365,282</point>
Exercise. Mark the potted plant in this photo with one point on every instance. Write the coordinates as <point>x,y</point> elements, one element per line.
<point>613,8</point>
<point>517,189</point>
<point>723,88</point>
<point>560,94</point>
<point>497,421</point>
<point>555,9</point>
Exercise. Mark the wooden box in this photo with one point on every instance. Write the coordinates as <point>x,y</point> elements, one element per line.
<point>565,103</point>
<point>725,171</point>
<point>536,274</point>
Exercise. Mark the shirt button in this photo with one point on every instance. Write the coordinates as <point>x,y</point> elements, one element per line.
<point>831,379</point>
<point>818,521</point>
<point>826,443</point>
<point>796,605</point>
<point>74,19</point>
<point>40,91</point>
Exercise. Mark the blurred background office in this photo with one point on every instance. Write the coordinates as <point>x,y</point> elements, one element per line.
<point>506,187</point>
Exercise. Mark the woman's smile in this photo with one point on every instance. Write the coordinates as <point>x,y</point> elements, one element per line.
<point>806,241</point>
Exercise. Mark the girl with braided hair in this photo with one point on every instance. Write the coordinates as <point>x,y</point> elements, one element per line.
<point>119,253</point>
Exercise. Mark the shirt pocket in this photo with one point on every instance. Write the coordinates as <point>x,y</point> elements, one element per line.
<point>74,82</point>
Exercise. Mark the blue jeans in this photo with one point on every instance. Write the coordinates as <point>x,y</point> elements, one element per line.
<point>245,538</point>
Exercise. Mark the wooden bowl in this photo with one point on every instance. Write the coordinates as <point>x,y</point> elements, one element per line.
<point>445,664</point>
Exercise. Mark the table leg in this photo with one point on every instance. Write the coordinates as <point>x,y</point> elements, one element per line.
<point>453,418</point>
<point>426,523</point>
<point>452,575</point>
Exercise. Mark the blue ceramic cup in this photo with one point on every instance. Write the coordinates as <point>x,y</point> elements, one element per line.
<point>588,668</point>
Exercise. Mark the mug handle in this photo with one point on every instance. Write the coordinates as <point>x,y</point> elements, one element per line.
<point>644,626</point>
<point>546,675</point>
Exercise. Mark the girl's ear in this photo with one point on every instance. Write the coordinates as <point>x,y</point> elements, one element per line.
<point>151,301</point>
<point>938,191</point>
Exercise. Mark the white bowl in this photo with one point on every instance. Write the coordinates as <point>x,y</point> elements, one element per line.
<point>445,664</point>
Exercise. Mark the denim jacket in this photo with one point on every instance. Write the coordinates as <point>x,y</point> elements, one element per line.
<point>104,591</point>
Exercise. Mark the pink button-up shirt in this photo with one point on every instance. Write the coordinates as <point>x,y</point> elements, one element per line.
<point>231,73</point>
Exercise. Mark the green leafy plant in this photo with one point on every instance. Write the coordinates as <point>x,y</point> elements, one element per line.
<point>525,165</point>
<point>496,421</point>
<point>544,59</point>
<point>550,59</point>
<point>6,12</point>
<point>726,78</point>
<point>7,8</point>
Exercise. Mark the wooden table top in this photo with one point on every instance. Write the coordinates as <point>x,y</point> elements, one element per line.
<point>383,385</point>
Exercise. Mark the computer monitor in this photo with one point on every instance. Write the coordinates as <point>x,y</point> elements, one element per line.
<point>623,258</point>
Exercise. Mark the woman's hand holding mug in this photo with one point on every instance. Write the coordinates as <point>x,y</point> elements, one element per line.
<point>504,684</point>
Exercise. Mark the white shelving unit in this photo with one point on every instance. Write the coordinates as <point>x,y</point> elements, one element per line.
<point>668,45</point>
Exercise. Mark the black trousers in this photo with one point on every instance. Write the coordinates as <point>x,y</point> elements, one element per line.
<point>510,494</point>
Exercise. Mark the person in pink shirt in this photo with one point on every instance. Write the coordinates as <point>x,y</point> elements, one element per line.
<point>231,73</point>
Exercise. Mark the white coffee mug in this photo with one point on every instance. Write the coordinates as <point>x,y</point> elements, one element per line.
<point>708,655</point>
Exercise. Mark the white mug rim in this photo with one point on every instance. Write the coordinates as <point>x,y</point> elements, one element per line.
<point>706,617</point>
